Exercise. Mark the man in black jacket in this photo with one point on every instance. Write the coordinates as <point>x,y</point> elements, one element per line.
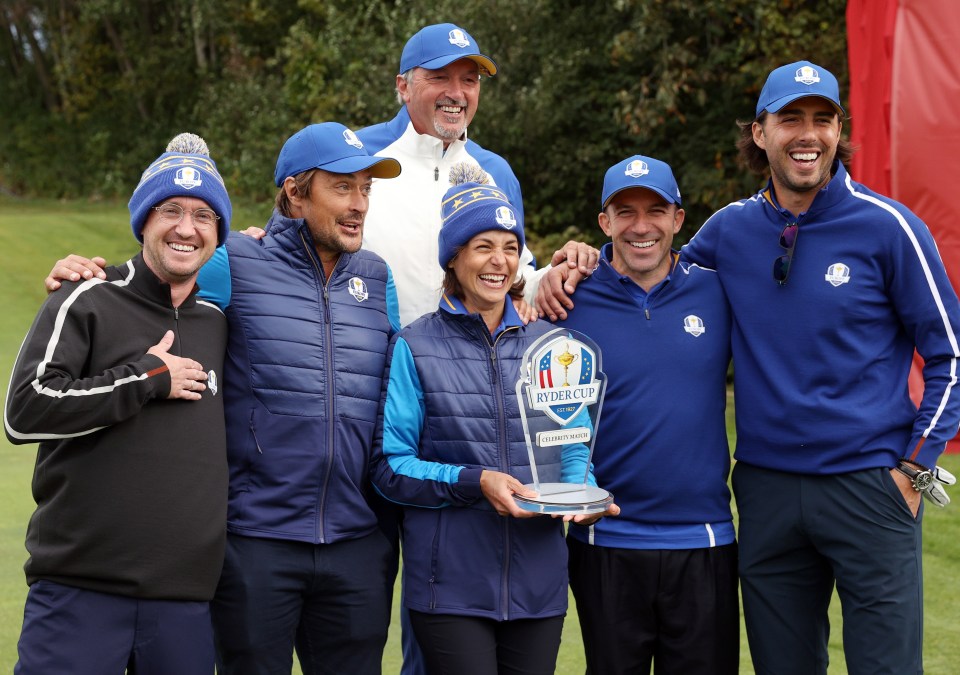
<point>117,380</point>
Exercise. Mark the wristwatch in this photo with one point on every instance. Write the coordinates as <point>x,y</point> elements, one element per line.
<point>921,478</point>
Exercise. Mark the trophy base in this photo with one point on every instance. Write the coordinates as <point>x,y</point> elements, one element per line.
<point>565,499</point>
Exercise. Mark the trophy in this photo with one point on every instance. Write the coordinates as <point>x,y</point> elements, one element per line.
<point>560,393</point>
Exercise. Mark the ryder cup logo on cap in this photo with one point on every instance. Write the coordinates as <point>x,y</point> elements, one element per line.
<point>636,168</point>
<point>640,172</point>
<point>332,147</point>
<point>439,45</point>
<point>807,75</point>
<point>504,217</point>
<point>188,178</point>
<point>458,38</point>
<point>184,170</point>
<point>797,80</point>
<point>351,138</point>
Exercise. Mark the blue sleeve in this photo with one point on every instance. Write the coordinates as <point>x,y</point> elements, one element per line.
<point>702,248</point>
<point>927,305</point>
<point>214,279</point>
<point>574,456</point>
<point>393,303</point>
<point>398,472</point>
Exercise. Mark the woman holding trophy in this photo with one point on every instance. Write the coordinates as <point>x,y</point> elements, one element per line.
<point>485,580</point>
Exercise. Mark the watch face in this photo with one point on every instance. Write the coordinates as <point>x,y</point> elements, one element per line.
<point>923,480</point>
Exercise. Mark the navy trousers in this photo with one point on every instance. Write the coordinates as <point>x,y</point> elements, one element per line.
<point>71,630</point>
<point>330,602</point>
<point>799,534</point>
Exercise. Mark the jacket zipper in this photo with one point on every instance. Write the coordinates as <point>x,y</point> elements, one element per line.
<point>501,434</point>
<point>328,354</point>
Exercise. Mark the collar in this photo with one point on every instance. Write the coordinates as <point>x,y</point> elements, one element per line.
<point>451,304</point>
<point>149,285</point>
<point>829,195</point>
<point>424,144</point>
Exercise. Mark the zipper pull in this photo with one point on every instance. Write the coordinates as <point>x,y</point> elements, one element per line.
<point>646,312</point>
<point>436,173</point>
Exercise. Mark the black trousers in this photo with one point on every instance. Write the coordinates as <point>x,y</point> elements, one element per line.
<point>676,609</point>
<point>330,601</point>
<point>470,645</point>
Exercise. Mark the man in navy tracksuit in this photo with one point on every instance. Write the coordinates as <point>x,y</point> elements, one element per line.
<point>659,583</point>
<point>832,455</point>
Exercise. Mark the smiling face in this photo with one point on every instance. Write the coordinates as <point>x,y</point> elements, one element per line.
<point>641,224</point>
<point>176,251</point>
<point>486,267</point>
<point>801,142</point>
<point>334,210</point>
<point>442,102</point>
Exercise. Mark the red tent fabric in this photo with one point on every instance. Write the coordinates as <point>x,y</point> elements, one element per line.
<point>904,78</point>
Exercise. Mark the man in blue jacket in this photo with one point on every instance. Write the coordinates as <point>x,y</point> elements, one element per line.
<point>832,455</point>
<point>658,584</point>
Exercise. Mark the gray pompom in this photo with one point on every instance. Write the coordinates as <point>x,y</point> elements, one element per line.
<point>190,144</point>
<point>467,172</point>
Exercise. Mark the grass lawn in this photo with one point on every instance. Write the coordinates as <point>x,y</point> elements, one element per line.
<point>35,234</point>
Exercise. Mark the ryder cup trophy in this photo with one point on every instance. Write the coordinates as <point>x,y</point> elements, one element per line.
<point>560,392</point>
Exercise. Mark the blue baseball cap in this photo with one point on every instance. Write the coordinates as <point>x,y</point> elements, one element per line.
<point>796,80</point>
<point>640,172</point>
<point>332,147</point>
<point>436,46</point>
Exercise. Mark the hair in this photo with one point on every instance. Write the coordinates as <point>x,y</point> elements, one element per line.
<point>302,182</point>
<point>755,158</point>
<point>452,285</point>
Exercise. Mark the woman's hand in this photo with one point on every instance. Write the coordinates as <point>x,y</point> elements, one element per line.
<point>499,489</point>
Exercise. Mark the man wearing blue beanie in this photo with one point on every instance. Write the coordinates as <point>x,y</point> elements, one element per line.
<point>119,382</point>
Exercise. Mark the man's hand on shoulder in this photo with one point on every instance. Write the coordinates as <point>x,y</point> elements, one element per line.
<point>255,232</point>
<point>73,268</point>
<point>578,256</point>
<point>570,265</point>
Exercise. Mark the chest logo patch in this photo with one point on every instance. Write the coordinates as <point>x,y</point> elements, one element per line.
<point>357,289</point>
<point>212,384</point>
<point>693,324</point>
<point>837,274</point>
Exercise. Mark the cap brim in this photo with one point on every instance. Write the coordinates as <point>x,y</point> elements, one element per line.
<point>379,167</point>
<point>487,66</point>
<point>606,202</point>
<point>778,104</point>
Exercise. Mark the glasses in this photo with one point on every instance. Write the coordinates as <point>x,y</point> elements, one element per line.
<point>788,240</point>
<point>203,219</point>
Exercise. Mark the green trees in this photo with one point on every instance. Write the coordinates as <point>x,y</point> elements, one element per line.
<point>89,90</point>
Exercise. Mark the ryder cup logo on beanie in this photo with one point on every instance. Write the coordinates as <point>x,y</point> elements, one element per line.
<point>472,207</point>
<point>185,169</point>
<point>434,47</point>
<point>787,83</point>
<point>332,147</point>
<point>642,172</point>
